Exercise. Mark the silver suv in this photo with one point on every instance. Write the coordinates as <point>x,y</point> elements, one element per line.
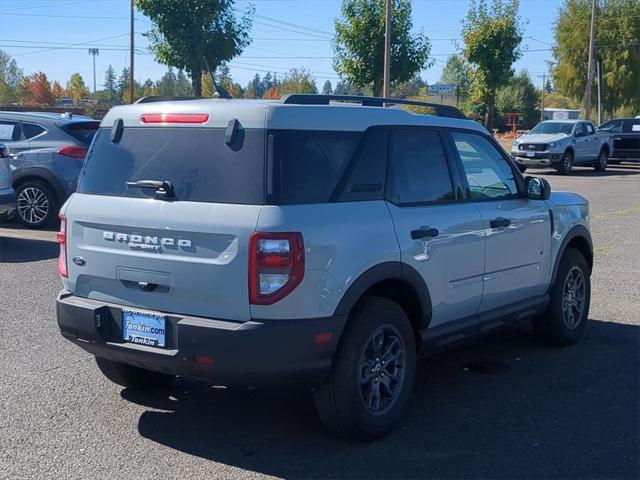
<point>310,241</point>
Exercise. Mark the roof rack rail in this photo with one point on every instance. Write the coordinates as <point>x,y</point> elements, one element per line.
<point>312,99</point>
<point>162,98</point>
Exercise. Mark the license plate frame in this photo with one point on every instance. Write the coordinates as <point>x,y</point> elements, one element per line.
<point>144,328</point>
<point>531,154</point>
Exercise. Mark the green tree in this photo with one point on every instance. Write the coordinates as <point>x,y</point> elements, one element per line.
<point>617,44</point>
<point>110,84</point>
<point>10,79</point>
<point>457,72</point>
<point>297,80</point>
<point>408,89</point>
<point>183,85</point>
<point>196,35</point>
<point>254,88</point>
<point>359,44</point>
<point>519,95</point>
<point>492,36</point>
<point>76,88</point>
<point>327,88</point>
<point>346,88</point>
<point>167,83</point>
<point>123,84</point>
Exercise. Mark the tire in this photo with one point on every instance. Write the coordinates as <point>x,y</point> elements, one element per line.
<point>37,206</point>
<point>566,165</point>
<point>601,162</point>
<point>133,377</point>
<point>347,403</point>
<point>557,326</point>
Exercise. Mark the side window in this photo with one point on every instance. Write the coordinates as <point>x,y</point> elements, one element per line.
<point>30,130</point>
<point>419,171</point>
<point>581,131</point>
<point>631,126</point>
<point>9,131</point>
<point>590,129</point>
<point>488,174</point>
<point>612,126</point>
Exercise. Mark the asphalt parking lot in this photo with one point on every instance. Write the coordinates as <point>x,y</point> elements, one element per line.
<point>500,407</point>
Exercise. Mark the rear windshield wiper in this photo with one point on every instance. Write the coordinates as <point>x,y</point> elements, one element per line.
<point>163,188</point>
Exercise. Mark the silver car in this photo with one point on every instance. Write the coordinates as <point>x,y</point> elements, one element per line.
<point>47,151</point>
<point>309,242</point>
<point>561,144</point>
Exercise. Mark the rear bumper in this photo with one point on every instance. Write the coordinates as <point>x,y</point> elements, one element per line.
<point>7,202</point>
<point>252,353</point>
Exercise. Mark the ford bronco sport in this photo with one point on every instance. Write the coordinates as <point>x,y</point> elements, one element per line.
<point>322,241</point>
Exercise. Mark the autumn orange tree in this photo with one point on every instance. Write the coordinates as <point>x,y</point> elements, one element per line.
<point>41,93</point>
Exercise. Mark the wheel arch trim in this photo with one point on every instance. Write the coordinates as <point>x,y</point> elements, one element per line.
<point>575,232</point>
<point>42,174</point>
<point>386,271</point>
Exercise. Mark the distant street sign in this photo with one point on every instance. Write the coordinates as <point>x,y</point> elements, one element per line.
<point>442,88</point>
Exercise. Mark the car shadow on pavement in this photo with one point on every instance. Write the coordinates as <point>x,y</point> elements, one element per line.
<point>20,250</point>
<point>499,407</point>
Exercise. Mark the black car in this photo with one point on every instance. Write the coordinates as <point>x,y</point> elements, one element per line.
<point>626,137</point>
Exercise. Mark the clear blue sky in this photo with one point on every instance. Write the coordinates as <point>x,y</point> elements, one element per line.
<point>33,31</point>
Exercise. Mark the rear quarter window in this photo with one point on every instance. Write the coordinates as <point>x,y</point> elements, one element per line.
<point>307,165</point>
<point>197,161</point>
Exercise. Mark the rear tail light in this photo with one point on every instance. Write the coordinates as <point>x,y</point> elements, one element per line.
<point>276,266</point>
<point>73,151</point>
<point>61,237</point>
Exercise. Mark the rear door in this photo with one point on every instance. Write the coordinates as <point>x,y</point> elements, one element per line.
<point>439,236</point>
<point>11,136</point>
<point>629,139</point>
<point>184,254</point>
<point>517,230</point>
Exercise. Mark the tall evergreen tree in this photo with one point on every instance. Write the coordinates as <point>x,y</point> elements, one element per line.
<point>111,84</point>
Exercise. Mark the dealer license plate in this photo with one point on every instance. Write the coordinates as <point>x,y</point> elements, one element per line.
<point>143,328</point>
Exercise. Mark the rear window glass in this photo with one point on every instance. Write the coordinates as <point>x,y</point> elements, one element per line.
<point>307,165</point>
<point>197,161</point>
<point>82,131</point>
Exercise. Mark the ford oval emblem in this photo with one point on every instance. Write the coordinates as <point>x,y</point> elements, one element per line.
<point>79,261</point>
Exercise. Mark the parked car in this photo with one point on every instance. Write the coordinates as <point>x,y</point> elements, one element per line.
<point>561,144</point>
<point>7,195</point>
<point>300,242</point>
<point>626,138</point>
<point>47,154</point>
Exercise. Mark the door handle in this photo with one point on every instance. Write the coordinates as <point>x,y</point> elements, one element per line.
<point>500,222</point>
<point>424,232</point>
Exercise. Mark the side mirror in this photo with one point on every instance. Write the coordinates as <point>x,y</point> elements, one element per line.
<point>537,188</point>
<point>4,151</point>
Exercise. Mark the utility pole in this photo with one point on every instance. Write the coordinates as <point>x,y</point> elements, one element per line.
<point>132,88</point>
<point>387,50</point>
<point>587,91</point>
<point>93,52</point>
<point>542,99</point>
<point>599,79</point>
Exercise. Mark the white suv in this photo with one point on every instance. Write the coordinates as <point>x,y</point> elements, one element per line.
<point>319,241</point>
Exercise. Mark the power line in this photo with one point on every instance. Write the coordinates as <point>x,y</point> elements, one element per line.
<point>87,43</point>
